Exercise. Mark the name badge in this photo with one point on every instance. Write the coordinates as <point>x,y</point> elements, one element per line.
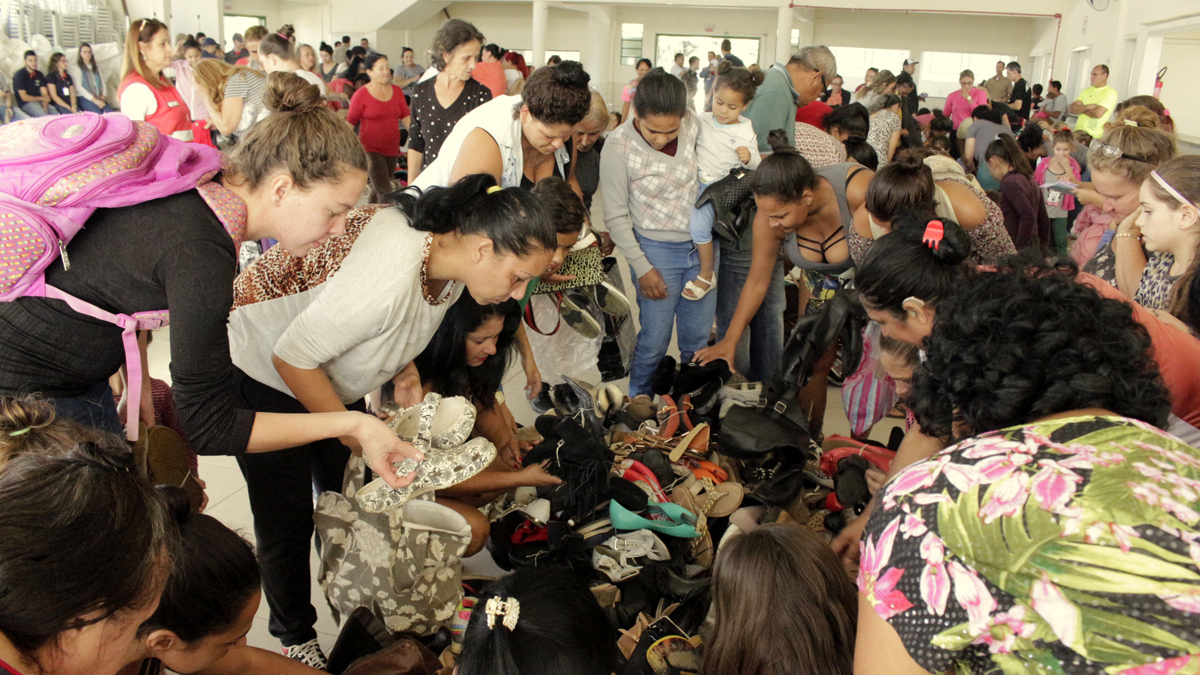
<point>172,104</point>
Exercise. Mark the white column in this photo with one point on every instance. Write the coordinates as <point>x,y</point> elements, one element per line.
<point>783,34</point>
<point>598,59</point>
<point>541,14</point>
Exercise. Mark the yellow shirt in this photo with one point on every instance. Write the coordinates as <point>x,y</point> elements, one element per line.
<point>1104,96</point>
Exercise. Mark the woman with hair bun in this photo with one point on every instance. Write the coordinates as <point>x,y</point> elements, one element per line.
<point>909,184</point>
<point>1132,147</point>
<point>538,622</point>
<point>293,178</point>
<point>87,548</point>
<point>144,93</point>
<point>305,338</point>
<point>518,140</point>
<point>806,213</point>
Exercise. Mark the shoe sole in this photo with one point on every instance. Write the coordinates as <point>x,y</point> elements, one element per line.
<point>611,301</point>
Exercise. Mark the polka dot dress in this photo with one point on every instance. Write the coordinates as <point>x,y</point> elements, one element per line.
<point>431,123</point>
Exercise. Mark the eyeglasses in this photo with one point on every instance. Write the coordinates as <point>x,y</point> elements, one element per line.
<point>1113,152</point>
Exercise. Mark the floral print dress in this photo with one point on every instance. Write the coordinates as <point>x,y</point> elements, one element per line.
<point>1068,546</point>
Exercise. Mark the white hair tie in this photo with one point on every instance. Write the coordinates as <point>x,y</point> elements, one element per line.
<point>1131,123</point>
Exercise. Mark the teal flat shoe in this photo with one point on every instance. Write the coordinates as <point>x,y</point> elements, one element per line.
<point>667,518</point>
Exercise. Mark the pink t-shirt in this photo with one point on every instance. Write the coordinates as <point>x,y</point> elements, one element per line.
<point>958,108</point>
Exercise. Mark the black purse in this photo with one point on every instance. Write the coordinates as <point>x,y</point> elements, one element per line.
<point>732,202</point>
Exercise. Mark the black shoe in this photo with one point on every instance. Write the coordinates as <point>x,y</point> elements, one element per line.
<point>542,403</point>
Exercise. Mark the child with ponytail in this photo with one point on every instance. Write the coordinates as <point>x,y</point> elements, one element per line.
<point>1021,201</point>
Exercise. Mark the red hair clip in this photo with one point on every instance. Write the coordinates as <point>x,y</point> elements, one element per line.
<point>934,232</point>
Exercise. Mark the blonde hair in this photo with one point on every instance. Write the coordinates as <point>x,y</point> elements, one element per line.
<point>599,110</point>
<point>882,79</point>
<point>1137,131</point>
<point>214,74</point>
<point>254,34</point>
<point>31,426</point>
<point>301,136</point>
<point>143,31</point>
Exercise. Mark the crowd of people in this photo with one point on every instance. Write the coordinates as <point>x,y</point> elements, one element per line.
<point>1020,278</point>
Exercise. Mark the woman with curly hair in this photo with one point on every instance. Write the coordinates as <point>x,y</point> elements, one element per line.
<point>1053,530</point>
<point>904,284</point>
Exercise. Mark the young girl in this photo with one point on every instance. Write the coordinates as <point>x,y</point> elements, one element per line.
<point>208,605</point>
<point>1020,198</point>
<point>1169,230</point>
<point>1062,166</point>
<point>648,176</point>
<point>727,140</point>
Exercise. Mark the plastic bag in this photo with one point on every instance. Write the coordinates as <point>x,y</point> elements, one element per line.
<point>563,353</point>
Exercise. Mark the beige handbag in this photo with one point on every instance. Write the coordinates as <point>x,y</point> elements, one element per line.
<point>404,564</point>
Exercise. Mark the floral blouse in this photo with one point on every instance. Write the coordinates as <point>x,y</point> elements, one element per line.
<point>1062,547</point>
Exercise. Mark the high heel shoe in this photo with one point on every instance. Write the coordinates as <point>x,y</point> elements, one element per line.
<point>667,518</point>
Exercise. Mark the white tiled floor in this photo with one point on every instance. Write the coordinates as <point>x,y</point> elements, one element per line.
<point>229,503</point>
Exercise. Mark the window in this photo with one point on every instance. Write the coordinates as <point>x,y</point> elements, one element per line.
<point>939,71</point>
<point>631,43</point>
<point>565,56</point>
<point>852,62</point>
<point>667,46</point>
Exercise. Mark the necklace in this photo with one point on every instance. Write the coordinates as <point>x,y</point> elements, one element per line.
<point>429,298</point>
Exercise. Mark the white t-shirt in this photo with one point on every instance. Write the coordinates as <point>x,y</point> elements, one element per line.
<point>511,76</point>
<point>717,144</point>
<point>676,69</point>
<point>359,339</point>
<point>313,78</point>
<point>137,101</point>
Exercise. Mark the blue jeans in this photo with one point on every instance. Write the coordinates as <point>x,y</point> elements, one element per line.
<point>62,110</point>
<point>760,352</point>
<point>94,409</point>
<point>678,262</point>
<point>701,222</point>
<point>35,109</point>
<point>87,106</point>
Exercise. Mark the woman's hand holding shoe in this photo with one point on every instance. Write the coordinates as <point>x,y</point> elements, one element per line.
<point>382,449</point>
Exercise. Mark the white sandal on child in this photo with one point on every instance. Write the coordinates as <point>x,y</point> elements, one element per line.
<point>698,293</point>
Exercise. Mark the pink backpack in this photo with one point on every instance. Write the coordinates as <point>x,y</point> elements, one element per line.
<point>56,171</point>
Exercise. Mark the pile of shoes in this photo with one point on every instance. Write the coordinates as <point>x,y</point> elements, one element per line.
<point>644,498</point>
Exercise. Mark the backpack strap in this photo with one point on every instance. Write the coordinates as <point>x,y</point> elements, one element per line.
<point>533,324</point>
<point>133,358</point>
<point>228,207</point>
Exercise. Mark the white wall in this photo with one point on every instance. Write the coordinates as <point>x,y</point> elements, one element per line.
<point>1179,94</point>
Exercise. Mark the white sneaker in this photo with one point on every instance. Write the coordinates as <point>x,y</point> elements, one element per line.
<point>309,654</point>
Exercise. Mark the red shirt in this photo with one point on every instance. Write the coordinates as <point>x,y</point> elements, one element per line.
<point>378,121</point>
<point>1177,354</point>
<point>814,113</point>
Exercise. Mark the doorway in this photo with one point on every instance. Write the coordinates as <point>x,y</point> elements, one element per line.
<point>238,23</point>
<point>1079,73</point>
<point>667,46</point>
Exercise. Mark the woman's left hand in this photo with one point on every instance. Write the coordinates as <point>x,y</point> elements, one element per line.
<point>533,379</point>
<point>408,386</point>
